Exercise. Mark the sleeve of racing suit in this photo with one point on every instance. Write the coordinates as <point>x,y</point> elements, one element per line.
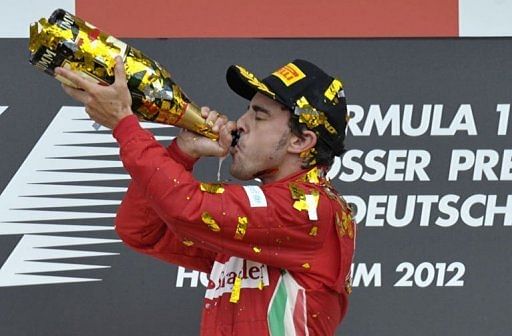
<point>140,227</point>
<point>223,221</point>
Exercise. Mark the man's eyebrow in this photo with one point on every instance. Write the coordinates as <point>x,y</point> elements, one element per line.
<point>258,108</point>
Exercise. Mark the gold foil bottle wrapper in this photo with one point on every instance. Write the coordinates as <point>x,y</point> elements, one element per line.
<point>65,40</point>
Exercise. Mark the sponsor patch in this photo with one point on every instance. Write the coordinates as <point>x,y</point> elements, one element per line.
<point>223,276</point>
<point>333,89</point>
<point>256,196</point>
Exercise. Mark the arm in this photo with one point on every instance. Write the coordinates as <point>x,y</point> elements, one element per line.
<point>138,225</point>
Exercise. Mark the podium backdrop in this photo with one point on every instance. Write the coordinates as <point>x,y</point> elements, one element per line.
<point>428,167</point>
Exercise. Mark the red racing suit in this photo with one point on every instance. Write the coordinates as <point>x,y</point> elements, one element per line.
<point>278,255</point>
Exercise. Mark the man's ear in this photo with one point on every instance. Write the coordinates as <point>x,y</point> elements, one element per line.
<point>300,144</point>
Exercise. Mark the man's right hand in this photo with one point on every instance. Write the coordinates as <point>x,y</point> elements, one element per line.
<point>197,145</point>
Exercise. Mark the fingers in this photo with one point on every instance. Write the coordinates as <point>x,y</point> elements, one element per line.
<point>205,110</point>
<point>219,123</point>
<point>75,78</point>
<point>214,119</point>
<point>77,94</point>
<point>119,73</point>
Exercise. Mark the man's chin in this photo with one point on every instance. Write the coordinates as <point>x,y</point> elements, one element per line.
<point>239,175</point>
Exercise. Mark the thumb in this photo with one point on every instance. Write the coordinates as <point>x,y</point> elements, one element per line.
<point>225,135</point>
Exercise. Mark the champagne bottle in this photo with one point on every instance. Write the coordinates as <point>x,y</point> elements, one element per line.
<point>65,40</point>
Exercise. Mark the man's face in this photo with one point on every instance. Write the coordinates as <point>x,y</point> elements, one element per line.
<point>264,137</point>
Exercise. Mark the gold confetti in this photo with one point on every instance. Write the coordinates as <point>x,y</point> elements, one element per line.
<point>241,228</point>
<point>212,188</point>
<point>302,102</point>
<point>331,193</point>
<point>339,223</point>
<point>345,224</point>
<point>188,242</point>
<point>302,204</point>
<point>312,176</point>
<point>256,249</point>
<point>309,156</point>
<point>312,117</point>
<point>348,284</point>
<point>314,230</point>
<point>212,224</point>
<point>296,192</point>
<point>235,292</point>
<point>306,266</point>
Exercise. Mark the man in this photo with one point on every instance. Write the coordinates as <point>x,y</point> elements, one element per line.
<point>278,254</point>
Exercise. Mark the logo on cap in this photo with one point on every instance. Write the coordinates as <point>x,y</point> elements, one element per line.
<point>289,74</point>
<point>255,81</point>
<point>333,89</point>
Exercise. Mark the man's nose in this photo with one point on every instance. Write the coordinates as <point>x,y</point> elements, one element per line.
<point>241,123</point>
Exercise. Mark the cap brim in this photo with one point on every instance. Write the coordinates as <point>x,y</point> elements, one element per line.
<point>246,84</point>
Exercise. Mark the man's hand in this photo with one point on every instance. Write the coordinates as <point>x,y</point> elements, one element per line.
<point>197,145</point>
<point>106,105</point>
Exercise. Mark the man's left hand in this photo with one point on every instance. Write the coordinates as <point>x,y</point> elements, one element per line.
<point>106,105</point>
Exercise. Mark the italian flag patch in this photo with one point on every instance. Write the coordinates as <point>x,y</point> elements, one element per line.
<point>287,310</point>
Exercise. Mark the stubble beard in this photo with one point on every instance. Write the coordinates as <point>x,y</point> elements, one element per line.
<point>241,171</point>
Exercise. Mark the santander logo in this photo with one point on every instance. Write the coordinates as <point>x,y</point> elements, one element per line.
<point>223,276</point>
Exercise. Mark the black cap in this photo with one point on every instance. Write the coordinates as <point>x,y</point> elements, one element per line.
<point>315,97</point>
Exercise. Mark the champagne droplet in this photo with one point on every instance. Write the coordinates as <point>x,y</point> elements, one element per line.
<point>221,159</point>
